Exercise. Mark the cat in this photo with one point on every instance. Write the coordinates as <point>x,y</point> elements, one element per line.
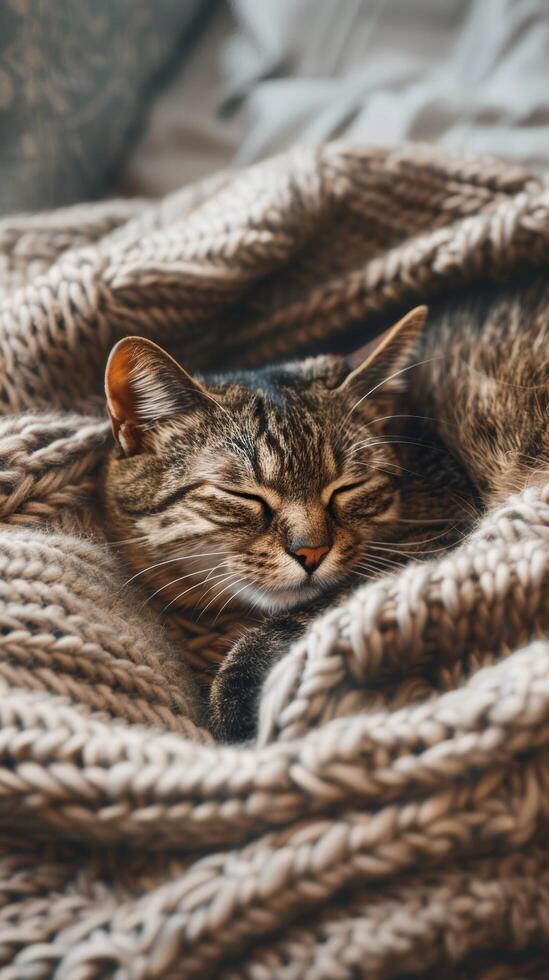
<point>282,488</point>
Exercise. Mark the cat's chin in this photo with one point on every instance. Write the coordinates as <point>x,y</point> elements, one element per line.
<point>276,600</point>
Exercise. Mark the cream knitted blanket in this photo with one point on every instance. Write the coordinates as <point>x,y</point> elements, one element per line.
<point>392,818</point>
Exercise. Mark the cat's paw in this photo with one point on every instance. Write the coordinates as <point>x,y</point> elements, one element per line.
<point>234,694</point>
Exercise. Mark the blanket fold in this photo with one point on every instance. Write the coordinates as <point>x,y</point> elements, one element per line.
<point>391,818</point>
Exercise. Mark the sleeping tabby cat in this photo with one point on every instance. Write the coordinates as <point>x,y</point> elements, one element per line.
<point>283,487</point>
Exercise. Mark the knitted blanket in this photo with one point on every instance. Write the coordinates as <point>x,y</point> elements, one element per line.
<point>392,817</point>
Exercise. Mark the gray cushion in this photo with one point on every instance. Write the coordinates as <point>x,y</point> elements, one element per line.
<point>73,77</point>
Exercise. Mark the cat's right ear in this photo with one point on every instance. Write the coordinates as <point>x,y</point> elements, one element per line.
<point>143,385</point>
<point>381,363</point>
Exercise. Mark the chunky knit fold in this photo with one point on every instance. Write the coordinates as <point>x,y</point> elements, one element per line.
<point>392,816</point>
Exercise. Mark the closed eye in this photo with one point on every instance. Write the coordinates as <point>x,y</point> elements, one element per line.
<point>254,497</point>
<point>347,488</point>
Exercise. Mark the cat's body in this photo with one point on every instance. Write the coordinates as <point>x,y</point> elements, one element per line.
<point>284,488</point>
<point>486,380</point>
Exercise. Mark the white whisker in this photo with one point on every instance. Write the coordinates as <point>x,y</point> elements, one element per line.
<point>220,580</point>
<point>169,561</point>
<point>188,575</point>
<point>235,594</point>
<point>387,418</point>
<point>185,591</point>
<point>229,585</point>
<point>390,377</point>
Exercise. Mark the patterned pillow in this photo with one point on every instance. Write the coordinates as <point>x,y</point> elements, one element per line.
<point>73,77</point>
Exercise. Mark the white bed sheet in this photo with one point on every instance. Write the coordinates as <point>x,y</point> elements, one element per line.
<point>267,74</point>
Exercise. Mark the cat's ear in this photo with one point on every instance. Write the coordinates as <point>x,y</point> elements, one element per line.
<point>143,384</point>
<point>379,364</point>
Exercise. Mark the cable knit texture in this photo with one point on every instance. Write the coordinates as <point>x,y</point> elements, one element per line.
<point>391,818</point>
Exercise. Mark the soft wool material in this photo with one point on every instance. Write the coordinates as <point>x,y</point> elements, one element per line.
<point>392,816</point>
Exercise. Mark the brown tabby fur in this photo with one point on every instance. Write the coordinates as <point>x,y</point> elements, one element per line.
<point>462,426</point>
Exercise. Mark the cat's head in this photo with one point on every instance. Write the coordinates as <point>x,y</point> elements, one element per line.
<point>262,485</point>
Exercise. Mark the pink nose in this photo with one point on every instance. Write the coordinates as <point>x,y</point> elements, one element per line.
<point>310,556</point>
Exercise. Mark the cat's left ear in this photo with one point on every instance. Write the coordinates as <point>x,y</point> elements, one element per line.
<point>380,363</point>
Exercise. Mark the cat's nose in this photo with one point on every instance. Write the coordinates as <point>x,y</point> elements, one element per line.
<point>309,556</point>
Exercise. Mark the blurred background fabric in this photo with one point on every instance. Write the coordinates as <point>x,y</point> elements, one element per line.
<point>466,74</point>
<point>102,97</point>
<point>76,77</point>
